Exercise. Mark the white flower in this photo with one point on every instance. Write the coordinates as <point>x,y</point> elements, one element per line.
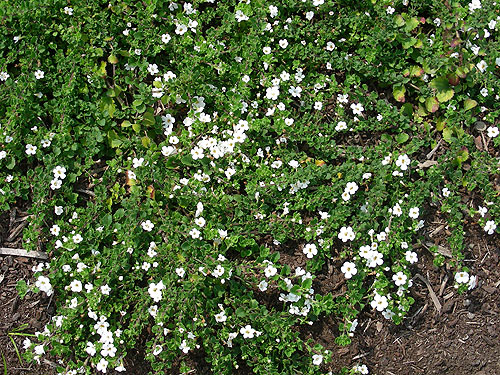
<point>399,278</point>
<point>165,38</point>
<point>318,106</point>
<point>349,270</point>
<point>102,365</point>
<point>180,272</point>
<point>390,10</point>
<point>59,172</point>
<point>240,16</point>
<point>403,162</point>
<point>362,369</point>
<point>490,227</point>
<point>39,350</point>
<point>481,66</point>
<point>446,192</point>
<point>39,74</point>
<point>181,29</point>
<point>346,234</point>
<point>194,233</point>
<point>309,15</point>
<point>272,93</point>
<point>396,210</point>
<point>68,11</point>
<point>43,283</point>
<point>77,238</point>
<point>105,289</point>
<point>270,270</point>
<point>58,210</point>
<point>317,359</point>
<point>266,50</point>
<point>168,150</point>
<point>55,229</point>
<point>341,125</point>
<point>155,291</point>
<point>4,76</point>
<point>411,257</point>
<point>283,43</point>
<point>357,109</point>
<point>351,187</point>
<point>462,277</point>
<point>153,69</point>
<point>76,286</point>
<point>248,332</point>
<point>30,149</point>
<point>157,349</point>
<point>184,347</point>
<point>379,302</point>
<point>220,317</point>
<point>310,250</point>
<point>147,225</point>
<point>200,221</point>
<point>263,285</point>
<point>414,212</point>
<point>493,131</point>
<point>218,271</point>
<point>375,259</point>
<point>295,91</point>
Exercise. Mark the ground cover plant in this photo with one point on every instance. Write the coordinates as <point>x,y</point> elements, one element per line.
<point>192,167</point>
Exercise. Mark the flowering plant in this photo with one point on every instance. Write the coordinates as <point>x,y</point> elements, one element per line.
<point>193,168</point>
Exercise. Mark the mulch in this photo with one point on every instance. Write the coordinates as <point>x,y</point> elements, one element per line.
<point>462,338</point>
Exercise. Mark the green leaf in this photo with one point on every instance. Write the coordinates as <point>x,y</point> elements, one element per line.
<point>22,288</point>
<point>432,105</point>
<point>407,110</point>
<point>409,43</point>
<point>112,59</point>
<point>11,164</point>
<point>307,283</point>
<point>136,127</point>
<point>146,141</point>
<point>411,24</point>
<point>240,312</point>
<point>399,20</point>
<point>402,137</point>
<point>447,134</point>
<point>187,160</point>
<point>444,96</point>
<point>440,83</point>
<point>469,104</point>
<point>399,93</point>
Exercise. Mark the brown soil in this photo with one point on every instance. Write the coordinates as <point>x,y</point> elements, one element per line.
<point>462,338</point>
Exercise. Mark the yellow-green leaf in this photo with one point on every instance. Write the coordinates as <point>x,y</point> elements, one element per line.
<point>469,104</point>
<point>399,93</point>
<point>112,59</point>
<point>444,96</point>
<point>432,104</point>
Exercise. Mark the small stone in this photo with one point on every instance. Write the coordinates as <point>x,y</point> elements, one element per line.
<point>480,126</point>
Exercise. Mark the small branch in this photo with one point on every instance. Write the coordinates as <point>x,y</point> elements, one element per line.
<point>85,191</point>
<point>23,253</point>
<point>434,298</point>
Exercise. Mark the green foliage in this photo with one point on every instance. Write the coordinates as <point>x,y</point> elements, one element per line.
<point>193,169</point>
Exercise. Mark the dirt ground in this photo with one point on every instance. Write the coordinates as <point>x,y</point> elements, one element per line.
<point>461,338</point>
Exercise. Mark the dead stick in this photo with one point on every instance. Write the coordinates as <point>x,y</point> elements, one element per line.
<point>23,253</point>
<point>434,298</point>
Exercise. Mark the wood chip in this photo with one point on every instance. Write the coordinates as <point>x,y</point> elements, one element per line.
<point>23,253</point>
<point>440,249</point>
<point>433,151</point>
<point>434,298</point>
<point>16,231</point>
<point>427,164</point>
